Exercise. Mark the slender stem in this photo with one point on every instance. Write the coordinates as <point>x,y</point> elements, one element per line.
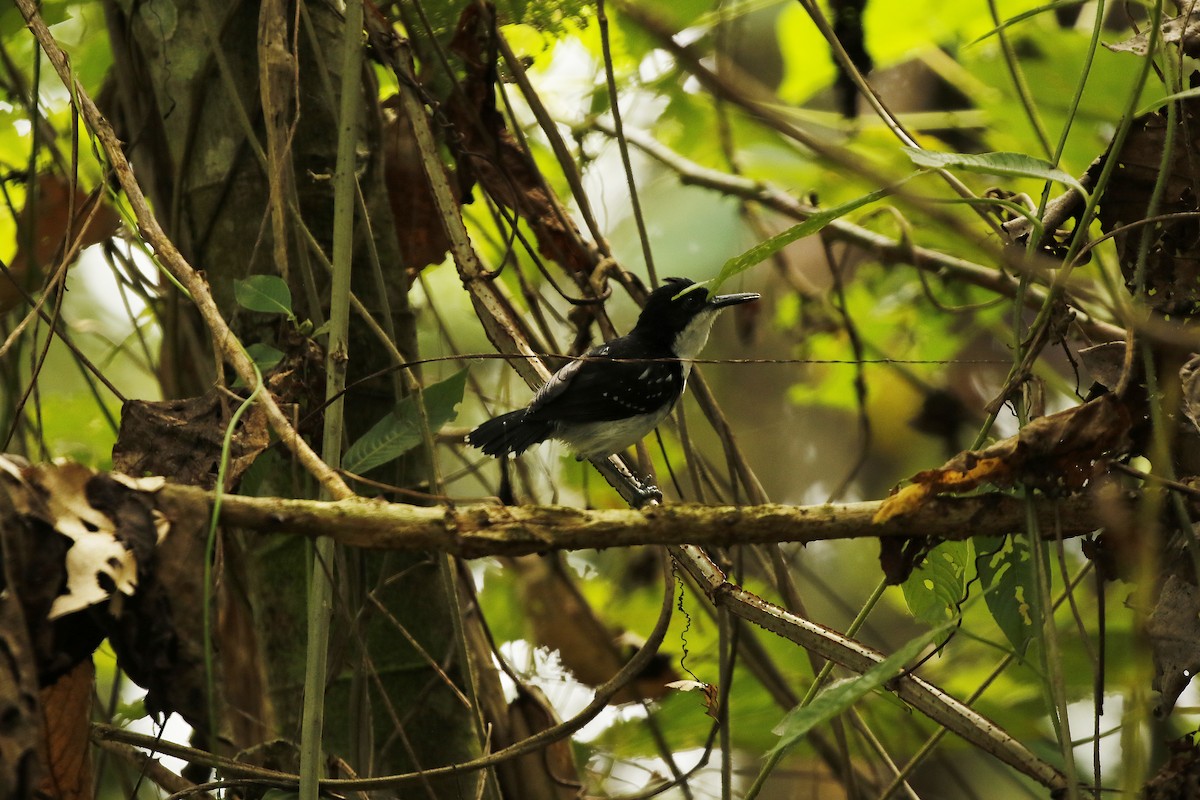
<point>320,597</point>
<point>210,552</point>
<point>726,626</point>
<point>1051,651</point>
<point>931,743</point>
<point>859,621</point>
<point>1018,78</point>
<point>634,203</point>
<point>168,256</point>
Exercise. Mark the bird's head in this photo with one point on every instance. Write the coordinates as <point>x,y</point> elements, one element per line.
<point>681,313</point>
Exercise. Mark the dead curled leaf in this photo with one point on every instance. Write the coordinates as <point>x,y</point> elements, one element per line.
<point>1056,453</point>
<point>93,560</point>
<point>84,543</point>
<point>1171,267</point>
<point>183,439</point>
<point>489,153</point>
<point>419,229</point>
<point>1173,628</point>
<point>62,218</point>
<point>103,559</point>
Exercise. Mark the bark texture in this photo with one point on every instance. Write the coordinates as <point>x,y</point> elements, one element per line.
<point>188,92</point>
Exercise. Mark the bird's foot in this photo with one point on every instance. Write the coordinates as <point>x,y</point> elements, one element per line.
<point>645,493</point>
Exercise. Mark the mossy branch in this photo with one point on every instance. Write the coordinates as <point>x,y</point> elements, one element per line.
<point>478,530</point>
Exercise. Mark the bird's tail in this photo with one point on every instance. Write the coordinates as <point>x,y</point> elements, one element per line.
<point>509,433</point>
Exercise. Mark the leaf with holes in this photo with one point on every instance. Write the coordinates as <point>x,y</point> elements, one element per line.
<point>400,430</point>
<point>1006,574</point>
<point>934,590</point>
<point>267,294</point>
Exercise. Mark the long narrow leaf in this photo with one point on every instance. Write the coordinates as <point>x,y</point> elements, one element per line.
<point>1024,15</point>
<point>768,248</point>
<point>841,696</point>
<point>1017,165</point>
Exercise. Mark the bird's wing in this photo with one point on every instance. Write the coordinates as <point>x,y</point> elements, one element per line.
<point>598,389</point>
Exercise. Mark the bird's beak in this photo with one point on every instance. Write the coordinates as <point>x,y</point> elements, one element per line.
<point>722,300</point>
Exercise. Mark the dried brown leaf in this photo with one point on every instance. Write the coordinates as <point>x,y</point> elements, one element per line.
<point>1172,265</point>
<point>490,154</point>
<point>423,239</point>
<point>1174,631</point>
<point>61,215</point>
<point>1056,453</point>
<point>66,742</point>
<point>183,439</point>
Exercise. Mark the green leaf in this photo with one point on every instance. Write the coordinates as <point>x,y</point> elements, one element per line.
<point>265,356</point>
<point>1017,165</point>
<point>267,294</point>
<point>1186,94</point>
<point>1024,15</point>
<point>842,695</point>
<point>935,589</point>
<point>129,712</point>
<point>400,430</point>
<point>1004,567</point>
<point>443,397</point>
<point>13,22</point>
<point>764,250</point>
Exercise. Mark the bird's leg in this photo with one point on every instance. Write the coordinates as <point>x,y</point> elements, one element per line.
<point>643,492</point>
<point>646,493</point>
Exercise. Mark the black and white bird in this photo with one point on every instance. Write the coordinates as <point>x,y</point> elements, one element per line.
<point>620,391</point>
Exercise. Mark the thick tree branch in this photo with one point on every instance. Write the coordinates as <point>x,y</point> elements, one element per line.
<point>479,530</point>
<point>491,530</point>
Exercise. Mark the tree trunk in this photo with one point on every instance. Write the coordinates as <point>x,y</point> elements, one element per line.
<point>188,100</point>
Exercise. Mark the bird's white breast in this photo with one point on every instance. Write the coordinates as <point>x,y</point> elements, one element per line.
<point>602,439</point>
<point>691,340</point>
